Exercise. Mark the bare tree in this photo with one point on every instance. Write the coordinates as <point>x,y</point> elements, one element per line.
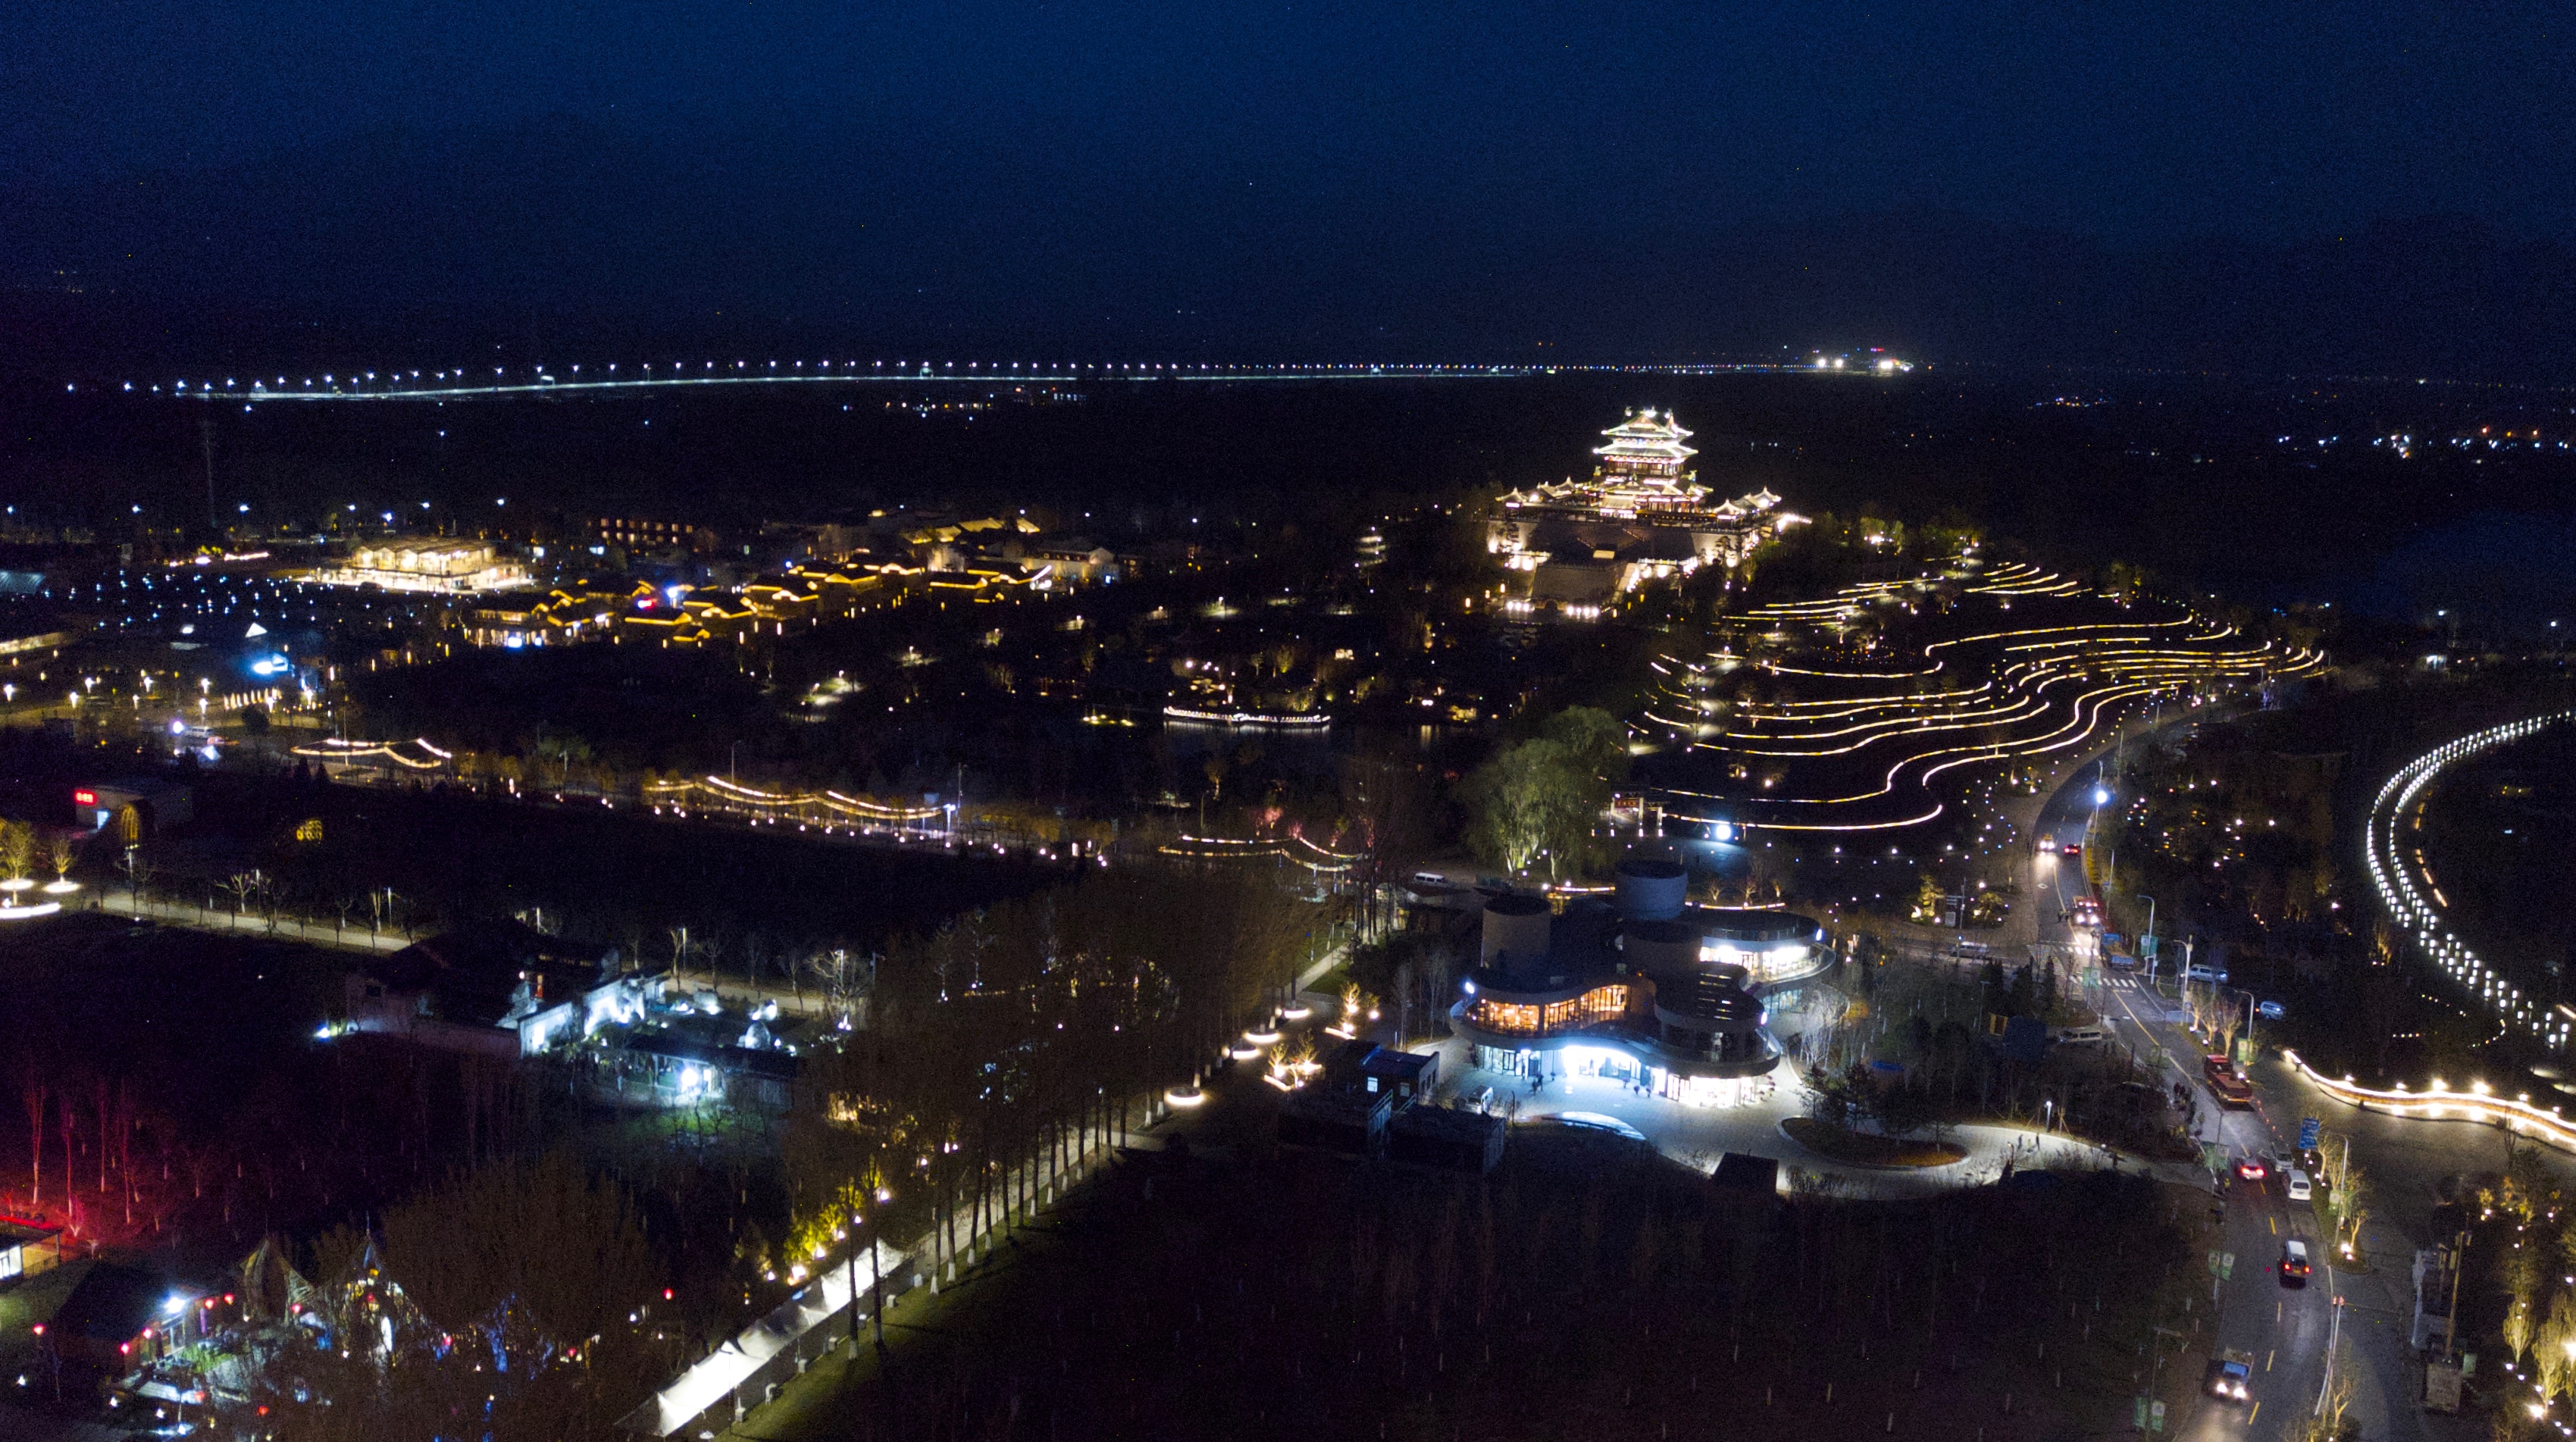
<point>31,1089</point>
<point>844,977</point>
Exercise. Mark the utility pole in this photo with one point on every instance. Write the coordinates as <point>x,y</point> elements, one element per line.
<point>876,1265</point>
<point>2451,1328</point>
<point>2334,1334</point>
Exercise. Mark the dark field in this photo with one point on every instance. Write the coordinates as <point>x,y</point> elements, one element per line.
<point>1578,1292</point>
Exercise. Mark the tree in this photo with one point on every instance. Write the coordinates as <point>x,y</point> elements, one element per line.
<point>2331,1420</point>
<point>2521,1274</point>
<point>2346,1189</point>
<point>843,976</point>
<point>2554,1357</point>
<point>540,1246</point>
<point>31,1084</point>
<point>1545,796</point>
<point>17,849</point>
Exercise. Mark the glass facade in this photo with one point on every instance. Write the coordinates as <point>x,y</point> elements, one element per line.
<point>1517,1018</point>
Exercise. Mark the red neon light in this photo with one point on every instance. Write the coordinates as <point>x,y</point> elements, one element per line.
<point>85,798</point>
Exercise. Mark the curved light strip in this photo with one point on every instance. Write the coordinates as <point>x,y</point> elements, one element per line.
<point>2424,920</point>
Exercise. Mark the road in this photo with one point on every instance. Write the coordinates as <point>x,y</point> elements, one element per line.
<point>2404,1161</point>
<point>2285,1329</point>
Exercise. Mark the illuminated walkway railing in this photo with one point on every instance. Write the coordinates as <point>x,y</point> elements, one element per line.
<point>2438,1102</point>
<point>2396,867</point>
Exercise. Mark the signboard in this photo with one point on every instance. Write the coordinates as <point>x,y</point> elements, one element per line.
<point>2442,1387</point>
<point>2156,1416</point>
<point>2147,947</point>
<point>2307,1134</point>
<point>2245,1051</point>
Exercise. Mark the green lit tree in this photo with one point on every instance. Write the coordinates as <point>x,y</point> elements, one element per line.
<point>1543,797</point>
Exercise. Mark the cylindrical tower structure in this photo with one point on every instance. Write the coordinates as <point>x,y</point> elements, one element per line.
<point>1651,888</point>
<point>1515,935</point>
<point>1659,949</point>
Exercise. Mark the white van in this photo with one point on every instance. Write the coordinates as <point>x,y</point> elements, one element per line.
<point>2081,1036</point>
<point>2300,1191</point>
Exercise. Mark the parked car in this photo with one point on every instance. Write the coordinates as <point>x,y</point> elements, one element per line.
<point>2294,1264</point>
<point>2300,1188</point>
<point>2081,1036</point>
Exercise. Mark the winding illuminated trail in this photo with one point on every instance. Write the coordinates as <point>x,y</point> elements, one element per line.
<point>2420,910</point>
<point>2019,692</point>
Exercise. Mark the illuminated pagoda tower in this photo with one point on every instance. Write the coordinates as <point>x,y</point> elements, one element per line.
<point>1644,468</point>
<point>1642,514</point>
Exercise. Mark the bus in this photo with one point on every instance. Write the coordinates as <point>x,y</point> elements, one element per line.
<point>2224,1084</point>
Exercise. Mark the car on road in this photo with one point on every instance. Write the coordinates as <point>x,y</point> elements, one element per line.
<point>2294,1264</point>
<point>2283,1159</point>
<point>2199,972</point>
<point>2300,1187</point>
<point>2270,1010</point>
<point>2251,1168</point>
<point>2229,1371</point>
<point>2081,1036</point>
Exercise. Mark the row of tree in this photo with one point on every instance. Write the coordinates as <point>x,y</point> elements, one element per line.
<point>1019,1038</point>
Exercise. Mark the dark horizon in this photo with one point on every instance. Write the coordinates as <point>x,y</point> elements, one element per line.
<point>2434,298</point>
<point>2379,193</point>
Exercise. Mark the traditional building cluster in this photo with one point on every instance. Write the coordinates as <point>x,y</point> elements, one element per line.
<point>1642,515</point>
<point>444,564</point>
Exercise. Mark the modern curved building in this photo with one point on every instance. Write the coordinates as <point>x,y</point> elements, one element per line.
<point>1645,988</point>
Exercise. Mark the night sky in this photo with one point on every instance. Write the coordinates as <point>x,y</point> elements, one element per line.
<point>1312,180</point>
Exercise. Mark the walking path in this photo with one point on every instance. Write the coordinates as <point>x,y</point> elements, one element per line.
<point>290,927</point>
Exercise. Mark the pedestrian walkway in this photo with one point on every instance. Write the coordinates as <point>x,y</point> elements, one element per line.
<point>1696,1136</point>
<point>282,925</point>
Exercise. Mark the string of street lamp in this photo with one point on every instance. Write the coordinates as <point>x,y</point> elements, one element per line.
<point>462,382</point>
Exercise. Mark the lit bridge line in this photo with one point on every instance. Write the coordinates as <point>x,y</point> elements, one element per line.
<point>365,386</point>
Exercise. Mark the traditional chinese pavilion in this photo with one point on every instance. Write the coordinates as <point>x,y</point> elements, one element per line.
<point>1641,515</point>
